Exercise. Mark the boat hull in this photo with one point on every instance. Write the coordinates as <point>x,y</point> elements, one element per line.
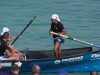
<point>74,63</point>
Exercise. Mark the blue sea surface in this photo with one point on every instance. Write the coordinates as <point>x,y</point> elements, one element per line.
<point>81,19</point>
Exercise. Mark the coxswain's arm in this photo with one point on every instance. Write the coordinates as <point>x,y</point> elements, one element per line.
<point>49,32</point>
<point>63,32</point>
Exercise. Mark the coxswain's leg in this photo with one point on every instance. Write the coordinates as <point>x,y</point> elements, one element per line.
<point>56,46</point>
<point>59,52</point>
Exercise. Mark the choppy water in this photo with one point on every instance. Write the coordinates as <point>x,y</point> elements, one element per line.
<point>81,19</point>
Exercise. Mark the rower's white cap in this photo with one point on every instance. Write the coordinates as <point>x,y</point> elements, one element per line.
<point>5,29</point>
<point>55,16</point>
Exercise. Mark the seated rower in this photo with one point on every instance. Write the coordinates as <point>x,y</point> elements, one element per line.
<point>5,29</point>
<point>5,49</point>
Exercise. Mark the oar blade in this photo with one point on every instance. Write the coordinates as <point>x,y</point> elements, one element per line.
<point>34,17</point>
<point>95,47</point>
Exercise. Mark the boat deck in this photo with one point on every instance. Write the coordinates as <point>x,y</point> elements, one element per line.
<point>50,53</point>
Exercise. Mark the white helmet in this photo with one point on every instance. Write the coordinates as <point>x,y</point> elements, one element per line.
<point>55,16</point>
<point>5,29</point>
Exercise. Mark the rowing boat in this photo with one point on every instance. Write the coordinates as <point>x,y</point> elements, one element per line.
<point>72,60</point>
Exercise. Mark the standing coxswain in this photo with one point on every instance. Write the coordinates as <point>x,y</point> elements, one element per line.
<point>57,26</point>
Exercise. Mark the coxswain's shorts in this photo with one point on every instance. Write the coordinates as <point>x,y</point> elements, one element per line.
<point>58,39</point>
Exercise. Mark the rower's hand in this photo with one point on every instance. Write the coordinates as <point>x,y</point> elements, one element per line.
<point>18,34</point>
<point>22,54</point>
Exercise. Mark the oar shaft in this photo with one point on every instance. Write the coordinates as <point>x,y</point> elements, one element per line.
<point>24,29</point>
<point>82,41</point>
<point>71,38</point>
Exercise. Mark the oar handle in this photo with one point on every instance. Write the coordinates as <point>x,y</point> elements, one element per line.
<point>71,38</point>
<point>60,35</point>
<point>24,29</point>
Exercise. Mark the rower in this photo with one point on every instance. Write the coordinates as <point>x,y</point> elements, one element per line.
<point>5,49</point>
<point>5,29</point>
<point>57,26</point>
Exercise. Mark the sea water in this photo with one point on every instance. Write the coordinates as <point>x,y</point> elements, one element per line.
<point>81,19</point>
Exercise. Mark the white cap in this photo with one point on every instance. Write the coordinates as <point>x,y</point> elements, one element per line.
<point>55,16</point>
<point>5,29</point>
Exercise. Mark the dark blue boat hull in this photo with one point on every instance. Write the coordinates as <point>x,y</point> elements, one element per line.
<point>75,63</point>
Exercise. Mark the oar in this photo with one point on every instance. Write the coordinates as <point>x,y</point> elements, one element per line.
<point>24,29</point>
<point>76,39</point>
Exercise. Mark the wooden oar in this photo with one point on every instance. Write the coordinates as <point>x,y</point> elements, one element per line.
<point>24,29</point>
<point>76,39</point>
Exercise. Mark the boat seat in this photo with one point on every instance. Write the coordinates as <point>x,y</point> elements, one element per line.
<point>35,55</point>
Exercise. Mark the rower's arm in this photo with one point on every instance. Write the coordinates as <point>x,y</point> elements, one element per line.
<point>12,38</point>
<point>8,53</point>
<point>6,50</point>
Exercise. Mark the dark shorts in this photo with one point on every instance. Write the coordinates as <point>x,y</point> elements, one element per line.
<point>4,57</point>
<point>58,39</point>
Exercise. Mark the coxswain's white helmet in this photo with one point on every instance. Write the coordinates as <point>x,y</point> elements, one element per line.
<point>55,16</point>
